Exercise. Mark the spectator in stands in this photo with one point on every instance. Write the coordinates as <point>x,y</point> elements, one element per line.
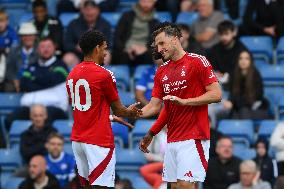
<point>204,28</point>
<point>21,56</point>
<point>46,25</point>
<point>89,18</point>
<point>33,140</point>
<point>43,82</point>
<point>188,42</point>
<point>151,172</point>
<point>246,100</point>
<point>224,54</point>
<point>38,177</point>
<point>264,162</point>
<point>250,177</point>
<point>59,163</point>
<point>277,142</point>
<point>225,164</point>
<point>133,34</point>
<point>145,84</point>
<point>8,36</point>
<point>8,39</point>
<point>262,17</point>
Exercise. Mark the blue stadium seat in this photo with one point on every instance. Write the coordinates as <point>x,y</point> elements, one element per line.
<point>163,16</point>
<point>280,51</point>
<point>122,76</point>
<point>127,98</point>
<point>17,128</point>
<point>15,15</point>
<point>10,159</point>
<point>68,148</point>
<point>127,159</point>
<point>272,75</point>
<point>186,18</point>
<point>260,46</point>
<point>120,133</point>
<point>141,128</point>
<point>246,154</point>
<point>139,71</point>
<point>266,128</point>
<point>260,63</point>
<point>239,130</point>
<point>13,182</point>
<point>274,94</point>
<point>64,127</point>
<point>112,17</point>
<point>281,107</point>
<point>140,183</point>
<point>9,102</point>
<point>66,18</point>
<point>27,17</point>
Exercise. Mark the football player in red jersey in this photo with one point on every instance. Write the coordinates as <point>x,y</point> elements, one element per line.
<point>92,92</point>
<point>186,84</point>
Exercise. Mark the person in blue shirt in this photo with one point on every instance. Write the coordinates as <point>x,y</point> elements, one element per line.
<point>8,36</point>
<point>59,163</point>
<point>145,84</point>
<point>8,39</point>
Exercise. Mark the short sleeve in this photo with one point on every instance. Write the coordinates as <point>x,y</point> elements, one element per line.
<point>158,91</point>
<point>206,72</point>
<point>109,87</point>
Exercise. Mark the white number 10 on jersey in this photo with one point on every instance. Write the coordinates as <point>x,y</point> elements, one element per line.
<point>75,95</point>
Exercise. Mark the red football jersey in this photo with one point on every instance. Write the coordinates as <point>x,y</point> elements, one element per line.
<point>91,89</point>
<point>185,78</point>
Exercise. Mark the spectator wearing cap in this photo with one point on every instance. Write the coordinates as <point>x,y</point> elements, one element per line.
<point>21,56</point>
<point>89,18</point>
<point>47,26</point>
<point>8,39</point>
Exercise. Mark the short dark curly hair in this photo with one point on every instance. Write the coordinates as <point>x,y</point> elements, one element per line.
<point>89,40</point>
<point>39,3</point>
<point>170,29</point>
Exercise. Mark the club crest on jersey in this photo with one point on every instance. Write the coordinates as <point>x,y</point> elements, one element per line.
<point>182,73</point>
<point>211,75</point>
<point>165,78</point>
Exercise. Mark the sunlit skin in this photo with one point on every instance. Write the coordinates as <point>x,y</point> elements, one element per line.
<point>167,46</point>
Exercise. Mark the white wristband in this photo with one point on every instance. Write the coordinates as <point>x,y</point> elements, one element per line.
<point>110,117</point>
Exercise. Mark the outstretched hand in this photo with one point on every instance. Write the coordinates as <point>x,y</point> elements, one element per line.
<point>122,121</point>
<point>134,112</point>
<point>145,142</point>
<point>175,99</point>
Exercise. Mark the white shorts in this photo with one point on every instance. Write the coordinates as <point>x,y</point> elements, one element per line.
<point>186,160</point>
<point>95,164</point>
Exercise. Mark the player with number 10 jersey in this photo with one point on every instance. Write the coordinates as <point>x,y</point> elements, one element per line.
<point>92,91</point>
